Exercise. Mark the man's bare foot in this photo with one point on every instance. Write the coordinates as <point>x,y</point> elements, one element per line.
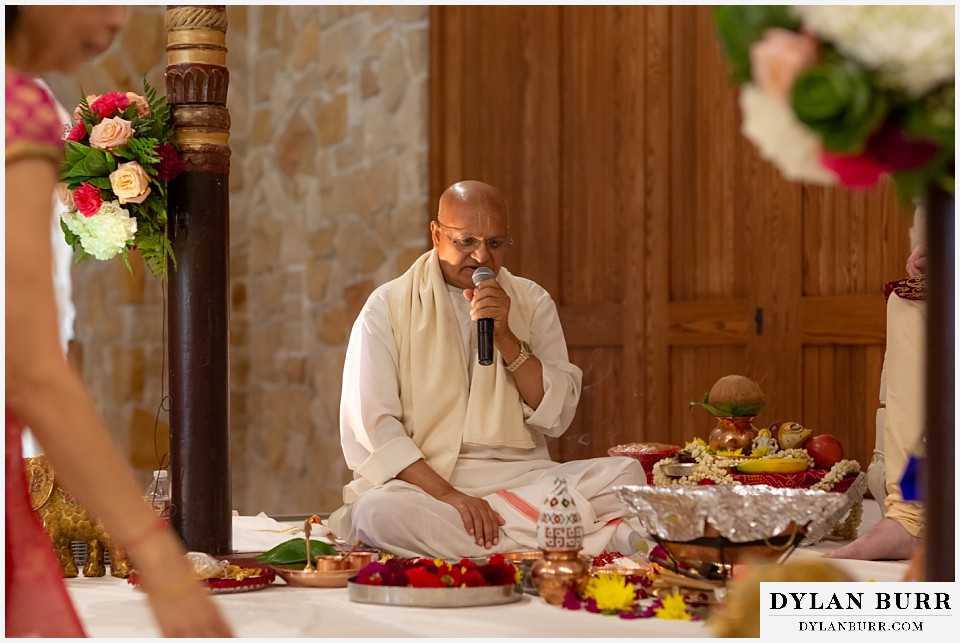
<point>886,540</point>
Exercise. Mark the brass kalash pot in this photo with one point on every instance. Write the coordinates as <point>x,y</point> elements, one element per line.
<point>734,400</point>
<point>560,537</point>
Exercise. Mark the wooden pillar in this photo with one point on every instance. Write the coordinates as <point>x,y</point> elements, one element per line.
<point>940,534</point>
<point>198,318</point>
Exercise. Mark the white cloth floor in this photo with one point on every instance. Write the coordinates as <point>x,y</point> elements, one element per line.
<point>109,607</point>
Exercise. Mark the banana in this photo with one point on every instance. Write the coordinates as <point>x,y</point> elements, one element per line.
<point>773,465</point>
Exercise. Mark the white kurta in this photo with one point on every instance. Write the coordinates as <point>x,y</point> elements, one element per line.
<point>403,519</point>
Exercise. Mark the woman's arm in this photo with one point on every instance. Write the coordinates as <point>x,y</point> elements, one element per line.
<point>46,394</point>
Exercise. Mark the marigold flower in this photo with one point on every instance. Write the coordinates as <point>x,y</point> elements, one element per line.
<point>673,608</point>
<point>612,593</point>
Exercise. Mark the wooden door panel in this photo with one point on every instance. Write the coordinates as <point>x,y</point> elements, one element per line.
<point>692,370</point>
<point>595,429</point>
<point>840,395</point>
<point>675,254</point>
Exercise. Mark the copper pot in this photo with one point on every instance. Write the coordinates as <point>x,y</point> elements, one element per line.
<point>732,434</point>
<point>558,572</point>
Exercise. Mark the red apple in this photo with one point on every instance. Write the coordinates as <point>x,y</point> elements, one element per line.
<point>825,449</point>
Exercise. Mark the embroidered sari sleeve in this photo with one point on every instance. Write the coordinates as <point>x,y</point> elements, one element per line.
<point>33,128</point>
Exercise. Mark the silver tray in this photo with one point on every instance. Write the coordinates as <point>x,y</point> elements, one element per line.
<point>433,596</point>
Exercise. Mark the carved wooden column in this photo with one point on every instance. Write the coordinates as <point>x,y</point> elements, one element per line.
<point>941,421</point>
<point>197,79</point>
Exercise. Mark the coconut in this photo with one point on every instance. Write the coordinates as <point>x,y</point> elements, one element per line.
<point>736,391</point>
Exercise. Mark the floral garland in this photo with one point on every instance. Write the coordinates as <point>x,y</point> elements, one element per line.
<point>709,472</point>
<point>837,472</point>
<point>426,572</point>
<point>628,597</point>
<point>848,528</point>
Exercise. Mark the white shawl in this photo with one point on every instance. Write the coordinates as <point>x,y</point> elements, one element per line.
<point>440,411</point>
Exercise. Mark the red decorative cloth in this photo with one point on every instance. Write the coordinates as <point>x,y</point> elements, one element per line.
<point>913,289</point>
<point>801,480</point>
<point>37,603</point>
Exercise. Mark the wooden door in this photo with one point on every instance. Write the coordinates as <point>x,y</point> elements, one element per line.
<point>675,254</point>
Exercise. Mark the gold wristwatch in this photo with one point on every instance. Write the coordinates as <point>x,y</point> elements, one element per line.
<point>525,353</point>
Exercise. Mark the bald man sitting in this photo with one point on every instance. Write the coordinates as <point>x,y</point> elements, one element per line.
<point>449,457</point>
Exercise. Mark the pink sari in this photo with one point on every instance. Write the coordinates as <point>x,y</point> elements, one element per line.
<point>37,603</point>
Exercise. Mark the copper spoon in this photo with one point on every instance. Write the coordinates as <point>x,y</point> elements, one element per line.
<point>344,556</point>
<point>332,537</point>
<point>306,534</point>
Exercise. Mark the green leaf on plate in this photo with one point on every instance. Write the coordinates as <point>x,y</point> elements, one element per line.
<point>294,551</point>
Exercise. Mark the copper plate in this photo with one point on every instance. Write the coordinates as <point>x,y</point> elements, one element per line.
<point>295,576</point>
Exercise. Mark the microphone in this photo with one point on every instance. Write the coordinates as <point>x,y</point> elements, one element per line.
<point>485,325</point>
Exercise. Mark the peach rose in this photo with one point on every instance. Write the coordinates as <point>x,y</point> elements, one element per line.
<point>64,195</point>
<point>130,183</point>
<point>110,133</point>
<point>139,103</point>
<point>778,58</point>
<point>90,99</point>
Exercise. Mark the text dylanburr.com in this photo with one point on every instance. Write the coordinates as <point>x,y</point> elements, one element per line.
<point>850,610</point>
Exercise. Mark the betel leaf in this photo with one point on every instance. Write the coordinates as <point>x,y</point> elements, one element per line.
<point>726,410</point>
<point>294,551</point>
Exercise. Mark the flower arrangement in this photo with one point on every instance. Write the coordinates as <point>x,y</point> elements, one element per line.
<point>628,597</point>
<point>427,572</point>
<point>847,94</point>
<point>119,158</point>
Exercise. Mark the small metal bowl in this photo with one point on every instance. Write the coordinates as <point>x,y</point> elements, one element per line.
<point>524,560</point>
<point>335,563</point>
<point>678,469</point>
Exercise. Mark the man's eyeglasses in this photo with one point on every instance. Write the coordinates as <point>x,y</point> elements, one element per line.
<point>469,245</point>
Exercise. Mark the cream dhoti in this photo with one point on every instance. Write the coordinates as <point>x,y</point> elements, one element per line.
<point>405,520</point>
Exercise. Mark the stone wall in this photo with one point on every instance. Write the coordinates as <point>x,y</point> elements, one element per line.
<point>328,199</point>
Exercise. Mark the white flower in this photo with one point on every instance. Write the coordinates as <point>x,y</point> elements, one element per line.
<point>106,233</point>
<point>781,138</point>
<point>910,46</point>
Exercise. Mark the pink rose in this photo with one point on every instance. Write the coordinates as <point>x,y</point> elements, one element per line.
<point>78,133</point>
<point>110,104</point>
<point>110,133</point>
<point>130,183</point>
<point>778,58</point>
<point>64,195</point>
<point>857,171</point>
<point>887,150</point>
<point>139,103</point>
<point>91,98</point>
<point>87,199</point>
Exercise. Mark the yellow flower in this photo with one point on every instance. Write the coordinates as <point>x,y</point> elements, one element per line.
<point>728,452</point>
<point>673,608</point>
<point>611,592</point>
